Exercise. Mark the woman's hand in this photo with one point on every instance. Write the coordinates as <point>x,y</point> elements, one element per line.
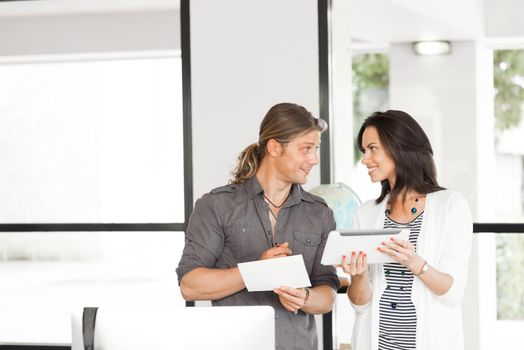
<point>402,252</point>
<point>359,291</point>
<point>356,265</point>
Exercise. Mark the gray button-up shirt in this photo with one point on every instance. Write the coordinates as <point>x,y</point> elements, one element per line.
<point>231,225</point>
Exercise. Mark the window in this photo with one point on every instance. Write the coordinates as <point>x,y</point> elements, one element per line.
<point>509,158</point>
<point>92,141</point>
<point>370,94</point>
<point>88,140</point>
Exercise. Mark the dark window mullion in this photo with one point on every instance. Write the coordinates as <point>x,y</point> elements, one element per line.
<point>186,105</point>
<point>498,227</point>
<point>52,227</point>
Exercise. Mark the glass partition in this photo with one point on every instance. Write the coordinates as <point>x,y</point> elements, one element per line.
<point>92,141</point>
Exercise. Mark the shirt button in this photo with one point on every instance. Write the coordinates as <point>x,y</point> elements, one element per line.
<point>308,240</point>
<point>388,287</point>
<point>401,288</point>
<point>268,232</point>
<point>393,305</point>
<point>387,272</point>
<point>403,272</point>
<point>243,229</point>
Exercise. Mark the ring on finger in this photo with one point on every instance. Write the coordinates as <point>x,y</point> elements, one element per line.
<point>395,254</point>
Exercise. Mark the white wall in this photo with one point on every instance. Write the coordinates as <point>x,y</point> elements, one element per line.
<point>245,57</point>
<point>440,93</point>
<point>85,33</point>
<point>503,18</point>
<point>341,93</point>
<point>451,97</point>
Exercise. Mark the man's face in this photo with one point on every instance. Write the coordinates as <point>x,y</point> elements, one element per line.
<point>298,157</point>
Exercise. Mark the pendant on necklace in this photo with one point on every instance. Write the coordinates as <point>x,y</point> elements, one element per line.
<point>414,209</point>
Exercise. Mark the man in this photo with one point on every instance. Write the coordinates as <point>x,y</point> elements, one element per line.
<point>265,214</point>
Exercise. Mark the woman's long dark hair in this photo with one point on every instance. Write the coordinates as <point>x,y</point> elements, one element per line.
<point>407,144</point>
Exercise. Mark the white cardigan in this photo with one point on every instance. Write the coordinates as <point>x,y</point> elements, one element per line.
<point>445,243</point>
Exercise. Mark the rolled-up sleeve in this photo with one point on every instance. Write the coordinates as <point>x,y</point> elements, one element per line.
<point>204,237</point>
<point>457,248</point>
<point>323,274</point>
<point>361,309</point>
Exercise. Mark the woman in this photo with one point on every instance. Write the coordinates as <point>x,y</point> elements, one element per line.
<point>415,302</point>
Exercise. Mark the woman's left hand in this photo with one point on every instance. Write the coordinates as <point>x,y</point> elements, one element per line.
<point>402,252</point>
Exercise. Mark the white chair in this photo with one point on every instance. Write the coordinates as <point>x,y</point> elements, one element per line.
<point>192,328</point>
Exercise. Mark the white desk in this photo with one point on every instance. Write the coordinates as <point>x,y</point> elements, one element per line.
<point>193,328</point>
<point>37,298</point>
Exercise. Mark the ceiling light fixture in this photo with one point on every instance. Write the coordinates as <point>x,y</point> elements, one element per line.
<point>427,48</point>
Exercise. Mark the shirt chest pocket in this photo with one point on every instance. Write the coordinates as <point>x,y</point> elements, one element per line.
<point>306,243</point>
<point>242,242</point>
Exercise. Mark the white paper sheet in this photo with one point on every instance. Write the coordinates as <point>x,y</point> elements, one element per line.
<point>266,275</point>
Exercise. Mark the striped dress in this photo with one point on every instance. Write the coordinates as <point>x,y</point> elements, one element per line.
<point>397,314</point>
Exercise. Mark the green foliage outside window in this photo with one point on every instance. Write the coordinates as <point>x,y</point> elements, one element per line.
<point>370,77</point>
<point>509,88</point>
<point>510,277</point>
<point>509,98</point>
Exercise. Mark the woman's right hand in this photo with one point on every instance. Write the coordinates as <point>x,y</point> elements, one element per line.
<point>355,264</point>
<point>359,290</point>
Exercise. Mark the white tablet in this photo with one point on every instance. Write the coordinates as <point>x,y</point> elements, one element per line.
<point>344,242</point>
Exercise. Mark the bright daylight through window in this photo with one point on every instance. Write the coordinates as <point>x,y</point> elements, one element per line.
<point>88,141</point>
<point>509,158</point>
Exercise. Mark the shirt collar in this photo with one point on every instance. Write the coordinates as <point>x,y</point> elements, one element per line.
<point>297,194</point>
<point>253,187</point>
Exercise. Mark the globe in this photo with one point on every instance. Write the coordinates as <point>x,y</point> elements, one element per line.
<point>342,200</point>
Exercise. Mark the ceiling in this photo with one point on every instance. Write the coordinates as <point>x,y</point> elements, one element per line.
<point>374,23</point>
<point>410,20</point>
<point>381,22</point>
<point>61,7</point>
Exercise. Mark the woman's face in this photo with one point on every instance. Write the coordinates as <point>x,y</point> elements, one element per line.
<point>380,165</point>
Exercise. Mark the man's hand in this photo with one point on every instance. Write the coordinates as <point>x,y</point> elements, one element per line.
<point>278,251</point>
<point>291,298</point>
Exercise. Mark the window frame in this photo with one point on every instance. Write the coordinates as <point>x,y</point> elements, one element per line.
<point>187,163</point>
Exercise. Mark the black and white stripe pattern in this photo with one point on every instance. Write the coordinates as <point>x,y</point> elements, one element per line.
<point>397,315</point>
